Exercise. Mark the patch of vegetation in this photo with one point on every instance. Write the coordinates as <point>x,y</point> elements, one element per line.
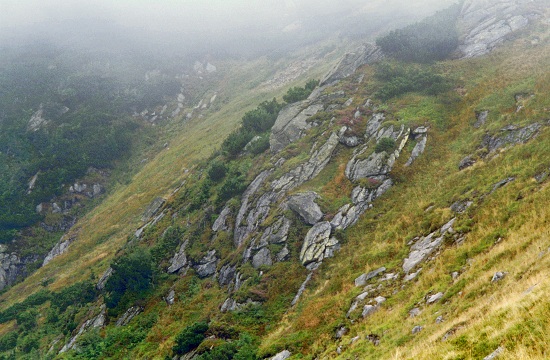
<point>190,338</point>
<point>295,94</point>
<point>432,39</point>
<point>385,144</point>
<point>132,277</point>
<point>399,78</point>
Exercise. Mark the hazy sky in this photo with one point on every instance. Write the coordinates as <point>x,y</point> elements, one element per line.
<point>209,20</point>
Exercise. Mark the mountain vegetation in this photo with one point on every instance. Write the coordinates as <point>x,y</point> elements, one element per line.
<point>405,216</point>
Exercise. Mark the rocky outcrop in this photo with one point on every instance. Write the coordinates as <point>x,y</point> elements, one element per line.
<point>364,278</point>
<point>11,267</point>
<point>152,209</point>
<point>103,279</point>
<point>97,321</point>
<point>37,120</point>
<point>60,248</point>
<point>365,54</point>
<point>425,246</point>
<point>221,223</point>
<point>207,265</point>
<point>481,118</point>
<point>283,355</point>
<point>318,244</point>
<point>129,315</point>
<point>304,205</point>
<point>417,150</point>
<point>291,123</point>
<point>179,260</point>
<point>307,171</point>
<point>510,135</point>
<point>484,24</point>
<point>242,231</point>
<point>262,258</point>
<point>227,274</point>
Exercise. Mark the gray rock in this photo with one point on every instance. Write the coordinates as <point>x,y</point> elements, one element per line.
<point>283,355</point>
<point>510,135</point>
<point>307,171</point>
<point>364,278</point>
<point>417,150</point>
<point>486,24</point>
<point>60,248</point>
<point>379,299</point>
<point>340,332</point>
<point>349,141</point>
<point>417,329</point>
<point>365,54</point>
<point>129,315</point>
<point>421,250</point>
<point>103,279</point>
<point>373,125</point>
<point>301,289</point>
<point>55,208</point>
<point>283,255</point>
<point>374,339</point>
<point>368,310</point>
<point>152,209</point>
<point>179,260</point>
<point>466,162</point>
<point>434,298</point>
<point>499,275</point>
<point>229,305</point>
<point>460,206</point>
<point>481,118</point>
<point>11,268</point>
<point>304,205</point>
<point>97,321</point>
<point>502,183</point>
<point>227,274</point>
<point>277,233</point>
<point>171,297</point>
<point>494,354</point>
<point>377,164</point>
<point>439,319</point>
<point>291,124</point>
<point>412,276</point>
<point>414,312</point>
<point>221,222</point>
<point>262,258</point>
<point>207,265</point>
<point>315,243</point>
<point>242,232</point>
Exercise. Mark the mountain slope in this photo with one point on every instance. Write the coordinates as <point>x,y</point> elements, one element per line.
<point>413,227</point>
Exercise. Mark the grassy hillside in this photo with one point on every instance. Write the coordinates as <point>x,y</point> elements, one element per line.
<point>499,227</point>
<point>505,230</point>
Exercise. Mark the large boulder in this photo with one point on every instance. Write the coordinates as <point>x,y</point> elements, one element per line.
<point>304,205</point>
<point>316,243</point>
<point>291,123</point>
<point>207,265</point>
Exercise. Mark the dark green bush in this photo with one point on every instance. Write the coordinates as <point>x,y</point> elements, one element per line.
<point>167,244</point>
<point>35,299</point>
<point>398,79</point>
<point>190,337</point>
<point>295,94</point>
<point>217,170</point>
<point>385,144</point>
<point>433,39</point>
<point>8,341</point>
<point>132,277</point>
<point>77,294</point>
<point>260,145</point>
